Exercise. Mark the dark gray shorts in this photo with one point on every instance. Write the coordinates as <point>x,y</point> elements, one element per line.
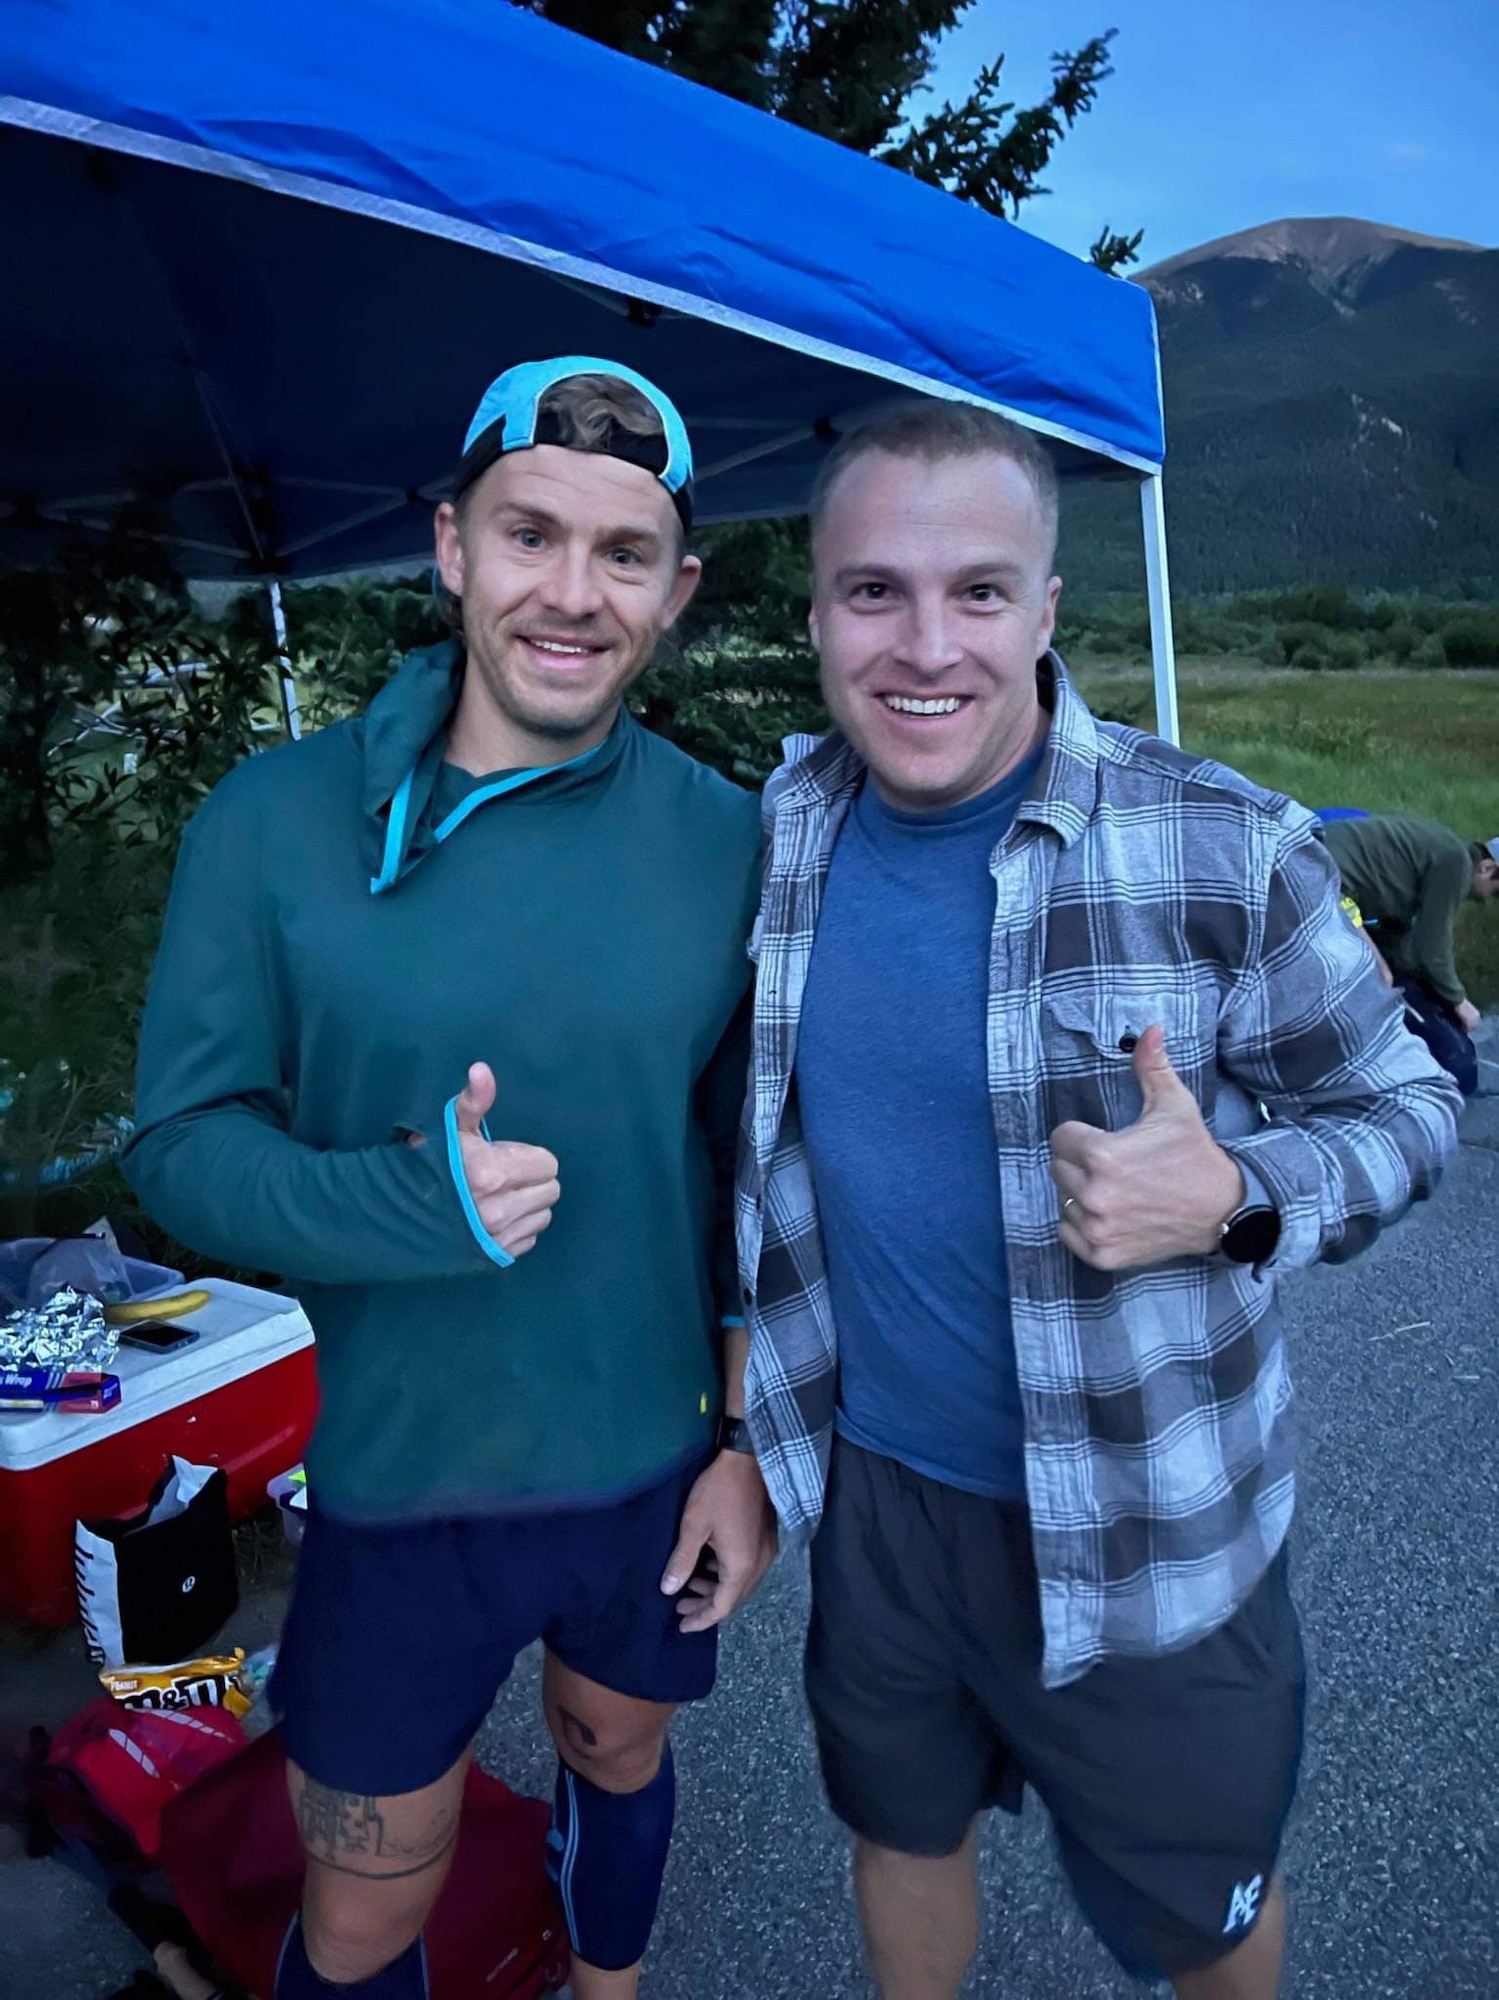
<point>1168,1779</point>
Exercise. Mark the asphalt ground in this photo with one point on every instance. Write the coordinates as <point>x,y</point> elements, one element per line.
<point>1392,1861</point>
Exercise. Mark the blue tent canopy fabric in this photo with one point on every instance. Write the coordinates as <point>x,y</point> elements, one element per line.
<point>261,259</point>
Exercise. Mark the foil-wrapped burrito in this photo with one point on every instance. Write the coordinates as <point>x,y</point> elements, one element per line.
<point>69,1331</point>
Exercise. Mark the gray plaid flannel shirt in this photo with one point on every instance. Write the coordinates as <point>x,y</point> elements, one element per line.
<point>1138,884</point>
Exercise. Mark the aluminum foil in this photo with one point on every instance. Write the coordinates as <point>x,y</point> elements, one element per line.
<point>67,1332</point>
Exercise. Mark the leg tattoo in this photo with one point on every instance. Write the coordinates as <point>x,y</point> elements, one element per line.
<point>341,1828</point>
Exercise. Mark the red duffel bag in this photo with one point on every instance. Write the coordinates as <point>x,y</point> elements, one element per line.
<point>231,1850</point>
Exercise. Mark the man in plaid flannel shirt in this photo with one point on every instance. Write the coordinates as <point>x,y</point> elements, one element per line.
<point>1062,1050</point>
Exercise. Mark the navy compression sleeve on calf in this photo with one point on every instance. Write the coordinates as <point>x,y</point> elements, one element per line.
<point>405,1978</point>
<point>607,1854</point>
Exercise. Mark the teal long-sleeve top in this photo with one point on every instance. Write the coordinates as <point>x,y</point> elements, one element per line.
<point>353,922</point>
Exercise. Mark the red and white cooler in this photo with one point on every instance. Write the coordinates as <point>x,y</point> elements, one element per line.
<point>243,1396</point>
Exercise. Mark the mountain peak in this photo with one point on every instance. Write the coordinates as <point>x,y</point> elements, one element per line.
<point>1330,248</point>
<point>1330,399</point>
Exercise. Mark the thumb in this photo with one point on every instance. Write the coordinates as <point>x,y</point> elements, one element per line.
<point>683,1559</point>
<point>475,1100</point>
<point>1160,1086</point>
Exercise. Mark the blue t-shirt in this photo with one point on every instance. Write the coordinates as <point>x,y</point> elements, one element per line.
<point>892,1078</point>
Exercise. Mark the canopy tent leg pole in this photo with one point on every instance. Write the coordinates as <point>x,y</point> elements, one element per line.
<point>1158,590</point>
<point>289,706</point>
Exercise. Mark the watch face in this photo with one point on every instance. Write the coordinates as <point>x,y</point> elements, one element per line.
<point>1252,1236</point>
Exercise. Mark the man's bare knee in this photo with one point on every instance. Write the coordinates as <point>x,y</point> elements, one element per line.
<point>374,1869</point>
<point>356,1925</point>
<point>611,1740</point>
<point>622,1767</point>
<point>348,1941</point>
<point>919,1915</point>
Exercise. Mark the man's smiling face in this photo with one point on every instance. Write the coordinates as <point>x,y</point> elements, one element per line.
<point>569,567</point>
<point>932,602</point>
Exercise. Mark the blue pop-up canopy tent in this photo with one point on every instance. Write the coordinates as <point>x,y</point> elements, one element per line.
<point>261,259</point>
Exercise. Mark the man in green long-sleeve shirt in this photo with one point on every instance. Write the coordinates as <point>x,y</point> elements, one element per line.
<point>447,1026</point>
<point>1409,878</point>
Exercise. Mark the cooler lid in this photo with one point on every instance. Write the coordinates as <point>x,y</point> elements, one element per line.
<point>241,1330</point>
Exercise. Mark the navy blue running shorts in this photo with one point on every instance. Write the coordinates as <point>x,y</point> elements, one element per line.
<point>400,1634</point>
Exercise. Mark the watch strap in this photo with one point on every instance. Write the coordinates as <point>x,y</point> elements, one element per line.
<point>732,1434</point>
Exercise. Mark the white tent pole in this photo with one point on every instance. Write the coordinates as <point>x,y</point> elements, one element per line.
<point>288,683</point>
<point>1158,589</point>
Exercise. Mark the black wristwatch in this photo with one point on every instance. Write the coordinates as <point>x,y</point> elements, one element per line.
<point>732,1434</point>
<point>1250,1237</point>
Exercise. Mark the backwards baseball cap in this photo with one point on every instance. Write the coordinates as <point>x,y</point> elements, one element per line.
<point>510,418</point>
<point>1491,848</point>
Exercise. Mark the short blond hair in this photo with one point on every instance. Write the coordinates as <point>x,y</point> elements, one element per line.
<point>931,429</point>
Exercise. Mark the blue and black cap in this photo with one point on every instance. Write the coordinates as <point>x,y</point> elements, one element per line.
<point>510,418</point>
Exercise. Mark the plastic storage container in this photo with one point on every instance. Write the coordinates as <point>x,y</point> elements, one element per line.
<point>243,1396</point>
<point>19,1254</point>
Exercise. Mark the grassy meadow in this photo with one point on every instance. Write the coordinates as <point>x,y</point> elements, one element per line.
<point>1421,741</point>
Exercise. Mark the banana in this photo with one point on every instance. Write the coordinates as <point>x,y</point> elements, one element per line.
<point>148,1309</point>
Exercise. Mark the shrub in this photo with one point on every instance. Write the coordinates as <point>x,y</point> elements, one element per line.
<point>1318,604</point>
<point>1472,640</point>
<point>1399,641</point>
<point>1304,636</point>
<point>75,949</point>
<point>1431,652</point>
<point>119,704</point>
<point>1346,653</point>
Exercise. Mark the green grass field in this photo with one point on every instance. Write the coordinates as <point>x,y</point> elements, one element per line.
<point>1419,742</point>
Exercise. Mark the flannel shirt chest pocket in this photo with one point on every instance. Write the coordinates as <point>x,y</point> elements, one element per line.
<point>1089,1042</point>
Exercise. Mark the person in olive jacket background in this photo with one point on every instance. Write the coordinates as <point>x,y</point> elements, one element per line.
<point>1410,878</point>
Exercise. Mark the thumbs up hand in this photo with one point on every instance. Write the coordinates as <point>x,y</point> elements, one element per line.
<point>1163,1187</point>
<point>514,1187</point>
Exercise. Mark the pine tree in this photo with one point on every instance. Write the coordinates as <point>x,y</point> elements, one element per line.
<point>854,71</point>
<point>851,70</point>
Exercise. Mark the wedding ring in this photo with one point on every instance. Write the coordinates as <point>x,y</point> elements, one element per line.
<point>1070,1202</point>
